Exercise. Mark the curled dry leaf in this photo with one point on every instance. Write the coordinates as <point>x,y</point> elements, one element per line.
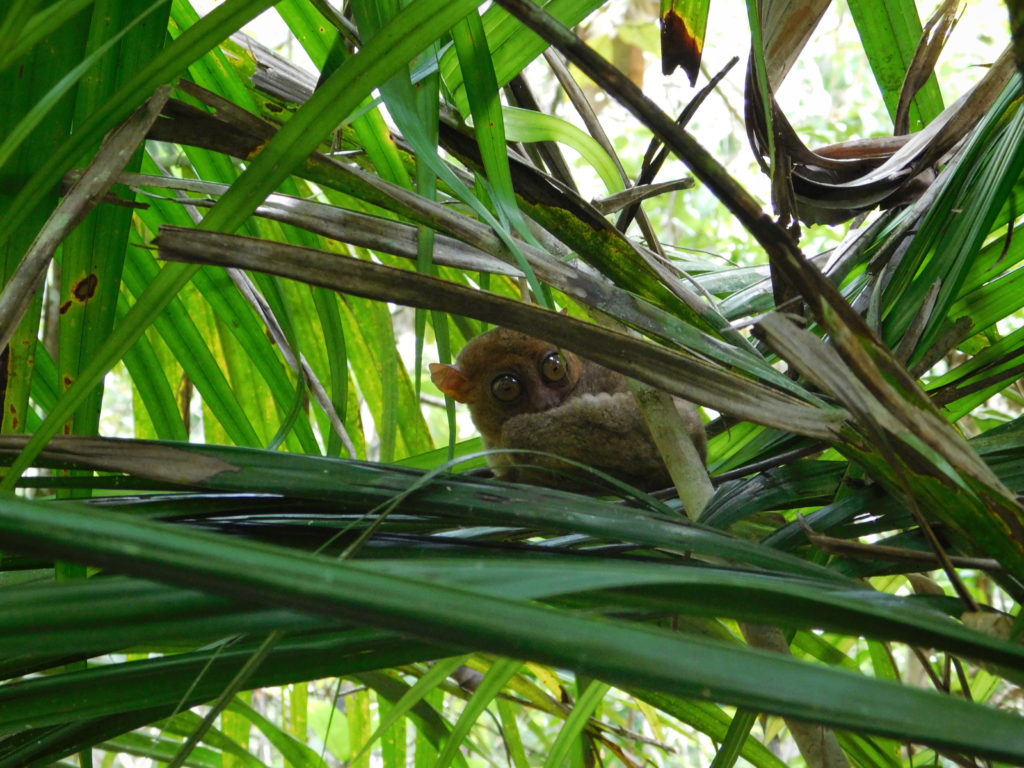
<point>834,183</point>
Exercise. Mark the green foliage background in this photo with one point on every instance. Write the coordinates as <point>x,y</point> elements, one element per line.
<point>278,567</point>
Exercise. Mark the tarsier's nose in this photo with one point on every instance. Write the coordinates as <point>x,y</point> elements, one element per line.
<point>546,399</point>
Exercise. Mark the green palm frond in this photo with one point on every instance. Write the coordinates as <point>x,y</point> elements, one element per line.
<point>240,268</point>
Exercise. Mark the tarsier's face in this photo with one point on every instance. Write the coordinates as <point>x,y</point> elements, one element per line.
<point>517,384</point>
<point>504,373</point>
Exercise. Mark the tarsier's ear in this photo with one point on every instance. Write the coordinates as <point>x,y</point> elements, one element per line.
<point>451,381</point>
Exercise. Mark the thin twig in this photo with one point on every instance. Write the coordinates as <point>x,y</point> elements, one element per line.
<point>583,107</point>
<point>653,163</point>
<point>845,547</point>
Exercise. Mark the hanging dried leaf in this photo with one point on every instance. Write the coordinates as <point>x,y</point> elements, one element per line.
<point>683,23</point>
<point>933,40</point>
<point>834,183</point>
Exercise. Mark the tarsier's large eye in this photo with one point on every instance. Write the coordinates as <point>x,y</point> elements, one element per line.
<point>506,387</point>
<point>553,368</point>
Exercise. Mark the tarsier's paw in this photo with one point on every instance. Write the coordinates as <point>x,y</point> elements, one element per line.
<point>602,430</point>
<point>602,411</point>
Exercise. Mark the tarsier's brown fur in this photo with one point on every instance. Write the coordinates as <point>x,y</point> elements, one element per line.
<point>588,415</point>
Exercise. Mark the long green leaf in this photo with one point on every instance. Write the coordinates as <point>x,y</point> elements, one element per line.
<point>416,26</point>
<point>890,32</point>
<point>613,650</point>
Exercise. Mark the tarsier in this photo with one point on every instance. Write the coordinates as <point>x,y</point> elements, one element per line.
<point>527,394</point>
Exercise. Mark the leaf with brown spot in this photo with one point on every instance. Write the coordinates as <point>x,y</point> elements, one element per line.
<point>85,288</point>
